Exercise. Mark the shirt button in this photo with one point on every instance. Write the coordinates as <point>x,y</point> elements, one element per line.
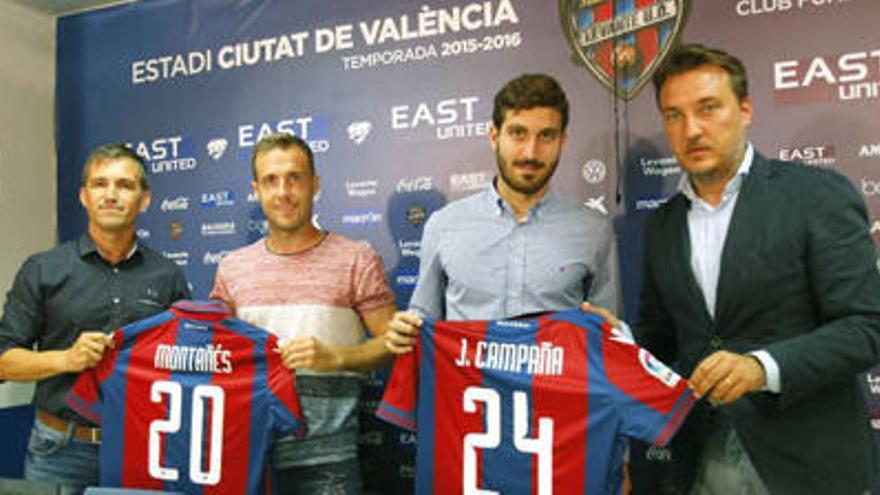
<point>115,300</point>
<point>115,270</point>
<point>715,342</point>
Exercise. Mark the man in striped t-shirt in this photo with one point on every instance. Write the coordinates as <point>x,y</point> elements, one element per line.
<point>317,291</point>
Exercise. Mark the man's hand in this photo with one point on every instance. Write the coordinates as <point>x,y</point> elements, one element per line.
<point>725,377</point>
<point>403,332</point>
<point>309,353</point>
<point>87,351</point>
<point>612,320</point>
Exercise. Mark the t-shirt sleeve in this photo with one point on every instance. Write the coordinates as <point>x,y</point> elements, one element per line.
<point>371,289</point>
<point>286,410</point>
<point>653,400</point>
<point>85,396</point>
<point>398,405</point>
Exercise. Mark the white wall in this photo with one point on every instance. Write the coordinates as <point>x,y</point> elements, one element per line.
<point>28,181</point>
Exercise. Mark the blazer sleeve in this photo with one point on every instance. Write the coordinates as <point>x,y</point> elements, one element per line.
<point>845,286</point>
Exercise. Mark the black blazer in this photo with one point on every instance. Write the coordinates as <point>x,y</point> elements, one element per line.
<point>798,279</point>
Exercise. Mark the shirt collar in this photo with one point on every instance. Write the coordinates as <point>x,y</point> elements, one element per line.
<point>87,246</point>
<point>732,187</point>
<point>212,308</point>
<point>499,205</point>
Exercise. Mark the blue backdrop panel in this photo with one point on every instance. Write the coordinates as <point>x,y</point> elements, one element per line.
<point>397,111</point>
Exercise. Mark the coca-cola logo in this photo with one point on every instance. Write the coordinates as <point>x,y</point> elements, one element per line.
<point>415,184</point>
<point>179,203</point>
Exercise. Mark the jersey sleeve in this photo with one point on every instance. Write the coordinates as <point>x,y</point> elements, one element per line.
<point>85,396</point>
<point>371,289</point>
<point>286,410</point>
<point>398,405</point>
<point>653,400</point>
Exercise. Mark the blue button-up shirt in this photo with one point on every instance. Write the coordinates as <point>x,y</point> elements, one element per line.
<point>707,226</point>
<point>479,262</point>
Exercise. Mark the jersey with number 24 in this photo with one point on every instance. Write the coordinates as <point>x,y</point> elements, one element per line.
<point>537,406</point>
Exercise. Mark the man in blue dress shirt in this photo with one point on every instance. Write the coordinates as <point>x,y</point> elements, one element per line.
<point>516,248</point>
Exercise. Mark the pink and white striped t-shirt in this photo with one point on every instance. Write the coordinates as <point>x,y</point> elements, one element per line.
<point>319,292</point>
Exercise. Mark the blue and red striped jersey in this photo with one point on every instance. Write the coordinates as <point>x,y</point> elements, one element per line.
<point>189,400</point>
<point>530,406</point>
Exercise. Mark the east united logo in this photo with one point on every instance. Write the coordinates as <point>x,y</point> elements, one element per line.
<point>622,42</point>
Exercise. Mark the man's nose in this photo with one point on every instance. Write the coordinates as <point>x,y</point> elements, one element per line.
<point>112,192</point>
<point>530,149</point>
<point>693,128</point>
<point>283,185</point>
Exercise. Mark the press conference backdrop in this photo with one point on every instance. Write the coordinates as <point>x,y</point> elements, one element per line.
<point>395,99</point>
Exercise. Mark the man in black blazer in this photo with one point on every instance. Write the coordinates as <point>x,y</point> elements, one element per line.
<point>760,284</point>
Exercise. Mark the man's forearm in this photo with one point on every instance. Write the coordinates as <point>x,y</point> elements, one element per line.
<point>368,356</point>
<point>23,365</point>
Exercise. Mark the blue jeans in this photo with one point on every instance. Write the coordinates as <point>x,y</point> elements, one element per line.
<point>333,478</point>
<point>58,458</point>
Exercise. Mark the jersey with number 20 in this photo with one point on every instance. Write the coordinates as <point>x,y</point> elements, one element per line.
<point>530,406</point>
<point>188,401</point>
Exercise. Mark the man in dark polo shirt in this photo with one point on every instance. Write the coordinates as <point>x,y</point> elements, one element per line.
<point>65,301</point>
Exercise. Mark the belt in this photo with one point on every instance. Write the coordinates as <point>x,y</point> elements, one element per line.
<point>61,425</point>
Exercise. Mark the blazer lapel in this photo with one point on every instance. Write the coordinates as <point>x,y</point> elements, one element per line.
<point>681,254</point>
<point>746,214</point>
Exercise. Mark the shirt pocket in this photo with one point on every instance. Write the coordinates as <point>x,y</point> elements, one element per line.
<point>566,278</point>
<point>150,298</point>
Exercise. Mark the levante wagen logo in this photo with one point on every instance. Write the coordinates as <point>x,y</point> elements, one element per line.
<point>622,42</point>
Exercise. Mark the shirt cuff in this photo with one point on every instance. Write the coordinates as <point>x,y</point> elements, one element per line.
<point>771,371</point>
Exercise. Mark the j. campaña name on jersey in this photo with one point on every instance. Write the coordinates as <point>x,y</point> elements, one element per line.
<point>530,406</point>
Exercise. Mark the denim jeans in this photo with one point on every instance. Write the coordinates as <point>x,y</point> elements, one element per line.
<point>55,457</point>
<point>333,478</point>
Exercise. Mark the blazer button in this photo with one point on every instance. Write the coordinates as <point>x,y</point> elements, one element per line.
<point>716,342</point>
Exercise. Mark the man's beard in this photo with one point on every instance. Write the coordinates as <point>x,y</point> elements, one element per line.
<point>527,188</point>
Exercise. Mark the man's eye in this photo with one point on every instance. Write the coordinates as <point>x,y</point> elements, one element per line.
<point>548,136</point>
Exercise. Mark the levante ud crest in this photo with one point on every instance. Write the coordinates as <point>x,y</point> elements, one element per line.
<point>622,42</point>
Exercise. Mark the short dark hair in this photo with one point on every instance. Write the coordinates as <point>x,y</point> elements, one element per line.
<point>686,58</point>
<point>114,151</point>
<point>283,141</point>
<point>530,91</point>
